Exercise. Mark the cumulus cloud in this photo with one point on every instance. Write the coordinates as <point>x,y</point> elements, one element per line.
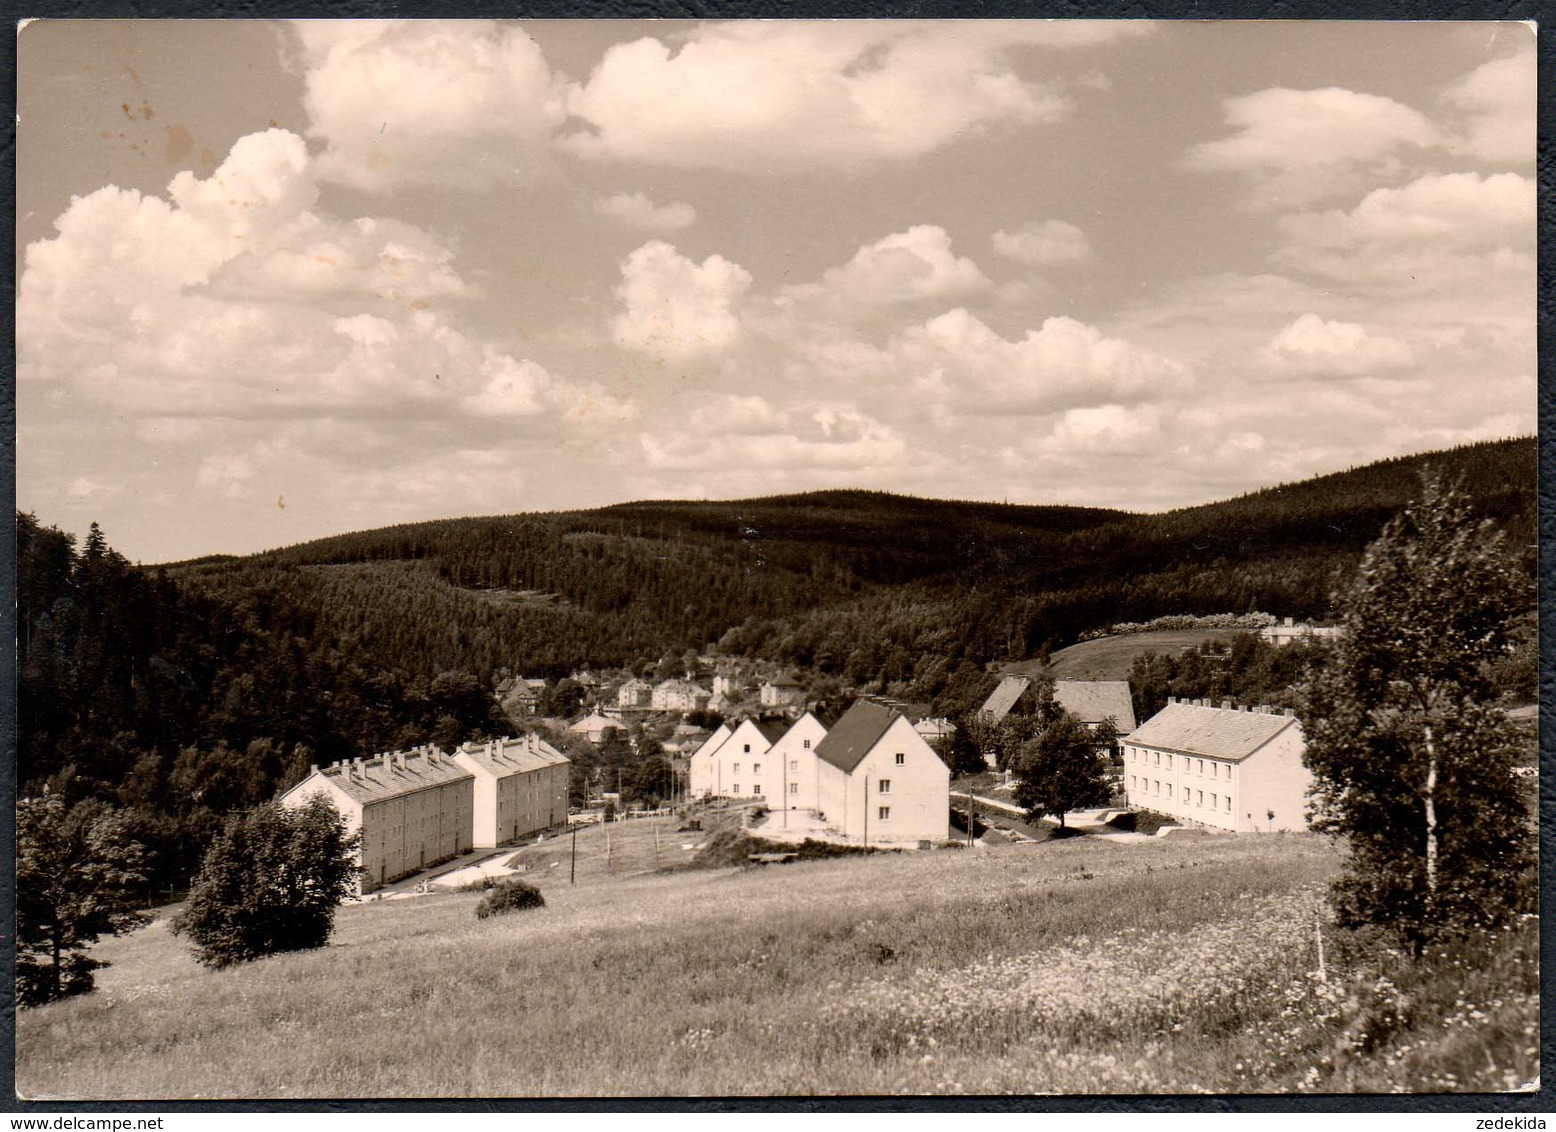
<point>795,96</point>
<point>1102,429</point>
<point>1497,101</point>
<point>1314,347</point>
<point>460,103</point>
<point>959,362</point>
<point>1439,232</point>
<point>234,298</point>
<point>635,210</point>
<point>903,267</point>
<point>1043,243</point>
<point>1302,145</point>
<point>677,309</point>
<point>806,438</point>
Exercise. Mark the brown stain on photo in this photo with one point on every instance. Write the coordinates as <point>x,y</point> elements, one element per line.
<point>179,143</point>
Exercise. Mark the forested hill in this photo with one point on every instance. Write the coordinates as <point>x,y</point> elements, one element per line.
<point>860,584</point>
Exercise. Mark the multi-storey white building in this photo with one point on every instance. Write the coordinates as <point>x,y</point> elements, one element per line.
<point>520,787</point>
<point>1237,769</point>
<point>739,767</point>
<point>793,774</point>
<point>414,809</point>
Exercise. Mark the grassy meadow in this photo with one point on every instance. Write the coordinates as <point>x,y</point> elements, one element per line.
<point>1077,966</point>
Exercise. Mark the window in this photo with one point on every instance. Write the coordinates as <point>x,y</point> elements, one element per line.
<point>1201,766</point>
<point>1229,774</point>
<point>902,759</point>
<point>807,744</point>
<point>757,790</point>
<point>1169,791</point>
<point>1214,772</point>
<point>1156,786</point>
<point>794,764</point>
<point>1156,758</point>
<point>1212,801</point>
<point>1131,782</point>
<point>1169,762</point>
<point>885,786</point>
<point>1200,801</point>
<point>747,748</point>
<point>794,788</point>
<point>756,768</point>
<point>737,768</point>
<point>883,812</point>
<point>736,788</point>
<point>1228,803</point>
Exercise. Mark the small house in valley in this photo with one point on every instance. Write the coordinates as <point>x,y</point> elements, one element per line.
<point>878,781</point>
<point>739,767</point>
<point>699,772</point>
<point>1003,699</point>
<point>1094,701</point>
<point>1236,769</point>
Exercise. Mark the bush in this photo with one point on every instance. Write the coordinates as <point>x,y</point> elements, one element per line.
<point>270,883</point>
<point>509,896</point>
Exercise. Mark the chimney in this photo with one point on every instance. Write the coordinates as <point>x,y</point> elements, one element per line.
<point>1292,712</point>
<point>1226,705</point>
<point>1288,622</point>
<point>313,769</point>
<point>1172,699</point>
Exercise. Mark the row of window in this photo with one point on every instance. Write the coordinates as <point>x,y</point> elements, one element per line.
<point>1198,796</point>
<point>794,765</point>
<point>1196,766</point>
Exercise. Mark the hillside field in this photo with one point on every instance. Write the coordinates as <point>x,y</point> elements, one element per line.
<point>1109,658</point>
<point>1081,966</point>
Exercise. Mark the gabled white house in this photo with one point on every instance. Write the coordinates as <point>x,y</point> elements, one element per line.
<point>791,767</point>
<point>596,728</point>
<point>879,782</point>
<point>699,773</point>
<point>414,809</point>
<point>740,766</point>
<point>520,787</point>
<point>1220,767</point>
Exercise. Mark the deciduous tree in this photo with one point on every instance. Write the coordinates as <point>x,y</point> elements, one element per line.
<point>1411,759</point>
<point>78,877</point>
<point>270,883</point>
<point>1061,769</point>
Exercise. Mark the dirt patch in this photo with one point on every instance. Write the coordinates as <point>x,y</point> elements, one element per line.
<point>733,847</point>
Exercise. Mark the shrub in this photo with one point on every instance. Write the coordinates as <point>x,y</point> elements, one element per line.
<point>509,896</point>
<point>270,883</point>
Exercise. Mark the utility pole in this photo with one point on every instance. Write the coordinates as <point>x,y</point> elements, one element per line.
<point>607,848</point>
<point>572,869</point>
<point>867,811</point>
<point>972,818</point>
<point>785,762</point>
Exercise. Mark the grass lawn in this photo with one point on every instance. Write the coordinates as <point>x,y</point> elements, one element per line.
<point>1074,966</point>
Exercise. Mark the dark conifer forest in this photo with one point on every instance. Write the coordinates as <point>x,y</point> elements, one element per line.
<point>185,691</point>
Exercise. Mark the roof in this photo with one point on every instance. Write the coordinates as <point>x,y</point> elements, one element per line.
<point>1216,732</point>
<point>771,729</point>
<point>860,729</point>
<point>1004,697</point>
<point>393,776</point>
<point>786,682</point>
<point>1092,701</point>
<point>503,757</point>
<point>594,721</point>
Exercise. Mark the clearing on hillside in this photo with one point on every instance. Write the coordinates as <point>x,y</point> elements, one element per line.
<point>1110,658</point>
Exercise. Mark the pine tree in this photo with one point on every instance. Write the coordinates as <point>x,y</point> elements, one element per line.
<point>78,877</point>
<point>1411,759</point>
<point>270,883</point>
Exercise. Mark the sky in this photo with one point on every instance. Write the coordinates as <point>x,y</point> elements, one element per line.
<point>278,281</point>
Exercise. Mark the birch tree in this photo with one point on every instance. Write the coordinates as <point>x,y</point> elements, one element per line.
<point>1412,760</point>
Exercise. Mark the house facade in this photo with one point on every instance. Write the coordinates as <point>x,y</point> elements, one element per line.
<point>879,782</point>
<point>1288,631</point>
<point>414,809</point>
<point>595,727</point>
<point>520,788</point>
<point>782,692</point>
<point>739,767</point>
<point>680,695</point>
<point>793,777</point>
<point>635,694</point>
<point>699,765</point>
<point>1234,769</point>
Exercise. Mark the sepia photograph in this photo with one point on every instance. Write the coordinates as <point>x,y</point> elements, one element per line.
<point>591,558</point>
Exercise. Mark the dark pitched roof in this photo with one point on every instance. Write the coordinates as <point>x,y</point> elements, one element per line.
<point>772,729</point>
<point>861,727</point>
<point>1214,732</point>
